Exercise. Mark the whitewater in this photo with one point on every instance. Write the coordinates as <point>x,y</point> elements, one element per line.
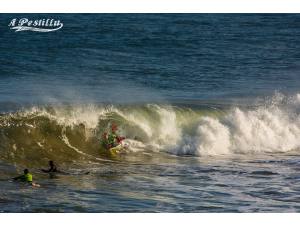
<point>209,105</point>
<point>272,126</point>
<point>192,158</point>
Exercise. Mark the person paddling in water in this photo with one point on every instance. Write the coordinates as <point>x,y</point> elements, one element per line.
<point>52,169</point>
<point>111,140</point>
<point>27,178</point>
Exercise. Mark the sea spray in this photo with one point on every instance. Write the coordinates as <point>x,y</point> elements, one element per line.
<point>73,132</point>
<point>274,127</point>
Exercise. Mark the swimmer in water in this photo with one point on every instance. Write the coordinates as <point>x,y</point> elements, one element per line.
<point>27,178</point>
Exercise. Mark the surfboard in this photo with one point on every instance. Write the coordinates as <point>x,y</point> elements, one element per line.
<point>35,185</point>
<point>116,150</point>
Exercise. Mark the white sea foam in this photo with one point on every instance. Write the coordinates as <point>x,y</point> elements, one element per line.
<point>270,127</point>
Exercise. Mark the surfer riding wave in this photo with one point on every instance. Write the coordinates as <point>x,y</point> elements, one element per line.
<point>111,139</point>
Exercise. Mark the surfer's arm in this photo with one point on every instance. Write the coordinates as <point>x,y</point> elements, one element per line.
<point>55,171</point>
<point>46,171</point>
<point>17,178</point>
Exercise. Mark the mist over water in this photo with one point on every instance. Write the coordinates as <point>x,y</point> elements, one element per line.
<point>209,105</point>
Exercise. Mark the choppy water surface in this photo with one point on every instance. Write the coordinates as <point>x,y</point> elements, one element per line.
<point>161,183</point>
<point>201,159</point>
<point>209,105</point>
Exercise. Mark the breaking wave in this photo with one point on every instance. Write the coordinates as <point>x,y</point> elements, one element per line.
<point>72,132</point>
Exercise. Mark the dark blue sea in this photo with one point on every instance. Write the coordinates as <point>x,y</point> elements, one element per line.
<point>209,105</point>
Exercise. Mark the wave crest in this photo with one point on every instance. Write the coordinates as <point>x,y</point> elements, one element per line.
<point>71,133</point>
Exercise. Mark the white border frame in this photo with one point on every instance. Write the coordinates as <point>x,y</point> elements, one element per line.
<point>150,218</point>
<point>150,6</point>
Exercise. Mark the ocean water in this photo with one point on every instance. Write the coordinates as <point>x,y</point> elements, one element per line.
<point>209,105</point>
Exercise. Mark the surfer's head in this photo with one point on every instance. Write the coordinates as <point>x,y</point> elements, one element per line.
<point>26,171</point>
<point>51,163</point>
<point>114,128</point>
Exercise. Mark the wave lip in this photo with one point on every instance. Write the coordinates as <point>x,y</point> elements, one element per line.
<point>272,127</point>
<point>71,133</point>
